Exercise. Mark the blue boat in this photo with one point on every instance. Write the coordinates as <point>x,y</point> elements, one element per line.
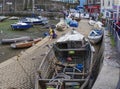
<point>21,25</point>
<point>95,36</point>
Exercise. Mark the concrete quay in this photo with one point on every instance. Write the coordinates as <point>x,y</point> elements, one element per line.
<point>109,75</point>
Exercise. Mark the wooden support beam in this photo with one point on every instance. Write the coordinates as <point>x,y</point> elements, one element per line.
<point>64,80</point>
<point>84,74</point>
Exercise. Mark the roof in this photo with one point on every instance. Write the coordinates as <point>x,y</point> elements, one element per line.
<point>67,1</point>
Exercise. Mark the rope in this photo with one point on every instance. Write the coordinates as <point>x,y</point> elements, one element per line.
<point>24,70</point>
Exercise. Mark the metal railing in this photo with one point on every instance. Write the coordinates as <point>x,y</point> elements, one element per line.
<point>115,31</point>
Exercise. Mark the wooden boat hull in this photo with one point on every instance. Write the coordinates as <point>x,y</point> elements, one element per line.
<point>77,19</point>
<point>25,44</point>
<point>67,64</point>
<point>14,40</point>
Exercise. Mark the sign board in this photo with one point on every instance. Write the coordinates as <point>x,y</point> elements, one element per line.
<point>9,3</point>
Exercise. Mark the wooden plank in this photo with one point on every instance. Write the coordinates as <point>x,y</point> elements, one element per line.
<point>76,73</point>
<point>64,80</point>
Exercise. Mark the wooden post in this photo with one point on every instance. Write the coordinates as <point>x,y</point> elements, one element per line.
<point>33,6</point>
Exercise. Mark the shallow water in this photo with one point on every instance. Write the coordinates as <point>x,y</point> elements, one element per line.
<point>6,51</point>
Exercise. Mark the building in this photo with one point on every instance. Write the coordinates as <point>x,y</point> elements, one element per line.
<point>92,6</point>
<point>116,8</point>
<point>110,8</point>
<point>67,3</point>
<point>107,7</point>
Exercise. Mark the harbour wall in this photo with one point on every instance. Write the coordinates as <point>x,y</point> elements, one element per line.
<point>19,72</point>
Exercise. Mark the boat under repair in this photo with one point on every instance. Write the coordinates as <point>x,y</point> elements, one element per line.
<point>67,65</point>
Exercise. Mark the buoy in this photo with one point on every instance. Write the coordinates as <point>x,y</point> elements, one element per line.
<point>69,59</point>
<point>46,34</point>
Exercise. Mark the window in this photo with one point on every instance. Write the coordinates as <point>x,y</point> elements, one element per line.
<point>108,3</point>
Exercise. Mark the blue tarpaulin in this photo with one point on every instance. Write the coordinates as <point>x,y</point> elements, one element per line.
<point>73,23</point>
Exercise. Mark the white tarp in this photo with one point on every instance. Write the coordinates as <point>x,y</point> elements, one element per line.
<point>71,36</point>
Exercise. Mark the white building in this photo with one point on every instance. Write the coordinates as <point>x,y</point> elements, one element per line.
<point>116,7</point>
<point>106,6</point>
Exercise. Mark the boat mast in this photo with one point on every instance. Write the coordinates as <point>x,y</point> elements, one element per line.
<point>33,6</point>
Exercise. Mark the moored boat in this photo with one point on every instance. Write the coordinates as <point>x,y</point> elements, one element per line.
<point>85,15</point>
<point>67,65</point>
<point>95,36</point>
<point>92,22</point>
<point>14,18</point>
<point>21,25</point>
<point>25,44</point>
<point>31,20</point>
<point>14,40</point>
<point>2,18</point>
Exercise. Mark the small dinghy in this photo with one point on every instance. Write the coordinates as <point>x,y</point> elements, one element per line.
<point>14,40</point>
<point>25,44</point>
<point>13,18</point>
<point>95,36</point>
<point>20,26</point>
<point>92,22</point>
<point>2,18</point>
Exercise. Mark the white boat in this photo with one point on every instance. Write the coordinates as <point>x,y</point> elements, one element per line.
<point>96,24</point>
<point>67,64</point>
<point>14,18</point>
<point>85,15</point>
<point>2,18</point>
<point>92,22</point>
<point>95,36</point>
